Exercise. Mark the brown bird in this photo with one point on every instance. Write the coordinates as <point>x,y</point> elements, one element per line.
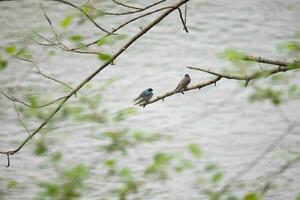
<point>183,83</point>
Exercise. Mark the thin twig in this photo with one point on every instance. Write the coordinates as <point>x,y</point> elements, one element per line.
<point>27,104</point>
<point>278,172</point>
<point>83,12</point>
<point>182,20</point>
<point>8,160</point>
<point>38,71</point>
<point>136,11</point>
<point>91,76</point>
<point>19,118</point>
<point>126,6</point>
<point>126,23</point>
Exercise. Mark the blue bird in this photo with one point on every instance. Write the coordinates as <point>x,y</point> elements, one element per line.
<point>144,97</point>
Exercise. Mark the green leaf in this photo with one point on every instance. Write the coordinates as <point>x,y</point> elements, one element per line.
<point>122,114</point>
<point>251,196</point>
<point>23,53</point>
<point>217,177</point>
<point>40,148</point>
<point>104,56</point>
<point>211,167</point>
<point>10,50</point>
<point>232,55</point>
<point>103,41</point>
<point>297,197</point>
<point>292,46</point>
<point>75,38</point>
<point>12,184</point>
<point>56,157</point>
<point>125,172</point>
<point>194,150</point>
<point>111,39</point>
<point>67,21</point>
<point>3,64</point>
<point>110,163</point>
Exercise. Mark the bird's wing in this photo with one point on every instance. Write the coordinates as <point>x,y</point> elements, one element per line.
<point>140,96</point>
<point>181,84</point>
<point>140,101</point>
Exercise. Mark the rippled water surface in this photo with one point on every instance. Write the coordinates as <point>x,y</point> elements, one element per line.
<point>229,129</point>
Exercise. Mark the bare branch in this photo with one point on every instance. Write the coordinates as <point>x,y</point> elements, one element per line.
<point>38,71</point>
<point>198,86</point>
<point>278,172</point>
<point>83,12</point>
<point>92,75</point>
<point>126,6</point>
<point>267,61</point>
<point>136,11</point>
<point>8,160</point>
<point>19,118</point>
<point>182,20</point>
<point>281,68</point>
<point>27,104</point>
<point>126,23</point>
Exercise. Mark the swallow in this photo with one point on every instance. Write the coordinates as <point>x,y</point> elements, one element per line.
<point>144,97</point>
<point>183,83</point>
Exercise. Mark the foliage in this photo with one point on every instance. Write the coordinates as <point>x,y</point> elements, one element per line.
<point>67,185</point>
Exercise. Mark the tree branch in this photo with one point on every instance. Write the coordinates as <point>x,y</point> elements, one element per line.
<point>125,5</point>
<point>137,10</point>
<point>198,86</point>
<point>83,12</point>
<point>92,75</point>
<point>182,20</point>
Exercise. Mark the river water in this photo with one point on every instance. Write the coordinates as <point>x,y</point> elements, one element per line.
<point>230,130</point>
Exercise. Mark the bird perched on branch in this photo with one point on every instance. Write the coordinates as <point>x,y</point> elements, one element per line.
<point>144,97</point>
<point>183,83</point>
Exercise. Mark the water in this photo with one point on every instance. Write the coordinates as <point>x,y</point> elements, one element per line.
<point>230,130</point>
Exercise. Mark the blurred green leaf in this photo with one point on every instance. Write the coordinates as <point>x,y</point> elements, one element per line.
<point>10,49</point>
<point>217,177</point>
<point>75,38</point>
<point>110,163</point>
<point>40,147</point>
<point>125,172</point>
<point>232,55</point>
<point>292,46</point>
<point>213,195</point>
<point>275,96</point>
<point>111,39</point>
<point>3,63</point>
<point>195,150</point>
<point>104,56</point>
<point>123,114</point>
<point>57,156</point>
<point>12,184</point>
<point>23,53</point>
<point>251,196</point>
<point>67,186</point>
<point>211,167</point>
<point>295,65</point>
<point>297,197</point>
<point>183,164</point>
<point>67,21</point>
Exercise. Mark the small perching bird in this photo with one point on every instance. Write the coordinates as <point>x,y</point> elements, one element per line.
<point>183,83</point>
<point>144,97</point>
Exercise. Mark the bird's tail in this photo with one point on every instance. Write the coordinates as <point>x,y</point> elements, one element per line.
<point>136,99</point>
<point>139,102</point>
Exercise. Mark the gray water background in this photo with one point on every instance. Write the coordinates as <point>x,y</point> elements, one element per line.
<point>231,131</point>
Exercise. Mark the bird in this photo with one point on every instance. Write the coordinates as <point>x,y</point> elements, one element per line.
<point>144,97</point>
<point>183,83</point>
